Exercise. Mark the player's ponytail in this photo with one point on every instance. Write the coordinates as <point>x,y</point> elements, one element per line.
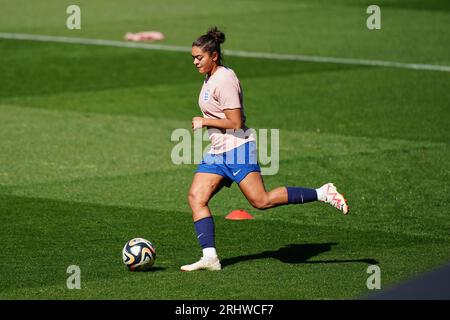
<point>217,35</point>
<point>211,42</point>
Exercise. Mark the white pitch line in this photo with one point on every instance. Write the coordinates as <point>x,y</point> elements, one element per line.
<point>246,54</point>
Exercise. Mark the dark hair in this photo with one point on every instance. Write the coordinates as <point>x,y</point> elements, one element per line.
<point>211,42</point>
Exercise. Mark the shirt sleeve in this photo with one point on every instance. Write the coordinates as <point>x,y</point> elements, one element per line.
<point>229,94</point>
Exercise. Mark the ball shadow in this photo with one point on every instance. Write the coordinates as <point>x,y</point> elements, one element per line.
<point>152,269</point>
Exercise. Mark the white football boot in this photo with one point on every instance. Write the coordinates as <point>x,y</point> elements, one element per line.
<point>333,197</point>
<point>205,263</point>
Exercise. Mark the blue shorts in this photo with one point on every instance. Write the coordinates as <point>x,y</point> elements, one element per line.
<point>233,165</point>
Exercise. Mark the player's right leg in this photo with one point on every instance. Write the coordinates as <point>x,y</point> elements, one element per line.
<point>204,186</point>
<point>329,194</point>
<point>252,186</point>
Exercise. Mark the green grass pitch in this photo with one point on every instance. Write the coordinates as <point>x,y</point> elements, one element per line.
<point>85,149</point>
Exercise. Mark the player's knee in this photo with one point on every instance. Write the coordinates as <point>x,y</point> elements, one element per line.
<point>195,200</point>
<point>261,203</point>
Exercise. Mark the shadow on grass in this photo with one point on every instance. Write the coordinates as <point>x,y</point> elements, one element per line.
<point>296,253</point>
<point>152,269</point>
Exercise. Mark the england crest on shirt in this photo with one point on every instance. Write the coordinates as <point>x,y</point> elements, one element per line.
<point>206,95</point>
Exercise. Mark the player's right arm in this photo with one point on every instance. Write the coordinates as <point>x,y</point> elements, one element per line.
<point>233,121</point>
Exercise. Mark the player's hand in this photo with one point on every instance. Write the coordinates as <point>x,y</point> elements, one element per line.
<point>197,123</point>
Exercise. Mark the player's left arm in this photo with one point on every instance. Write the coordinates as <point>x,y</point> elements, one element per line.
<point>233,120</point>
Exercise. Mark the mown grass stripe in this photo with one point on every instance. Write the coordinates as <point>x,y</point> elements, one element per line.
<point>245,54</point>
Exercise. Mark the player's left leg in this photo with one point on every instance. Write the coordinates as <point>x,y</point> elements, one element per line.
<point>252,186</point>
<point>204,186</point>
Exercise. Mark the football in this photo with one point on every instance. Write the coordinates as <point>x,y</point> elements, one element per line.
<point>139,254</point>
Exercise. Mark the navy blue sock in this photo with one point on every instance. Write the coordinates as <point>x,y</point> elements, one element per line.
<point>205,232</point>
<point>301,195</point>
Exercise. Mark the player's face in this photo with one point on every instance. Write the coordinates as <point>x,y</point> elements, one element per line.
<point>203,61</point>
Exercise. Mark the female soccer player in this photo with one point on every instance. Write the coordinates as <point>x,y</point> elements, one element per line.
<point>233,154</point>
